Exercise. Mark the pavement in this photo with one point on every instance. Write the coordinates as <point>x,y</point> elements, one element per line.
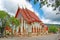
<point>43,37</point>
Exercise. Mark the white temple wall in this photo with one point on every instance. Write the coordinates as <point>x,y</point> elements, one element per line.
<point>27,27</point>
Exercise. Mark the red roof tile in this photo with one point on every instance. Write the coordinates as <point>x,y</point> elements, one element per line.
<point>28,15</point>
<point>33,15</point>
<point>17,12</point>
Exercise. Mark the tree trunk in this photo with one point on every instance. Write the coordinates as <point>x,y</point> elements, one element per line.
<point>2,31</point>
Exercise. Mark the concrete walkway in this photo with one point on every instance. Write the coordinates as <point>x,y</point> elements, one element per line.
<point>45,37</point>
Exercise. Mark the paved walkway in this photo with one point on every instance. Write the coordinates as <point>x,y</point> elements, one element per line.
<point>46,37</point>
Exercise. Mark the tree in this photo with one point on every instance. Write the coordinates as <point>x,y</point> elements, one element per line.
<point>14,23</point>
<point>53,29</point>
<point>3,19</point>
<point>53,3</point>
<point>6,20</point>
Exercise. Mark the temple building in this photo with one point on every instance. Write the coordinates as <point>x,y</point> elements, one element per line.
<point>29,22</point>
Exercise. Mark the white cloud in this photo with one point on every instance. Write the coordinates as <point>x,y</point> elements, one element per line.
<point>12,5</point>
<point>51,1</point>
<point>48,21</point>
<point>37,13</point>
<point>1,6</point>
<point>50,15</point>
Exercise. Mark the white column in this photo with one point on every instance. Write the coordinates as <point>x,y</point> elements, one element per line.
<point>33,27</point>
<point>17,29</point>
<point>29,28</point>
<point>21,25</point>
<point>24,24</point>
<point>36,26</point>
<point>40,26</point>
<point>13,29</point>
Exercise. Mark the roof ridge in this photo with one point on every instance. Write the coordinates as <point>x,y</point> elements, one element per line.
<point>17,11</point>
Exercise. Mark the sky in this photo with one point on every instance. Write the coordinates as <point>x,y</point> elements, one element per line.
<point>46,14</point>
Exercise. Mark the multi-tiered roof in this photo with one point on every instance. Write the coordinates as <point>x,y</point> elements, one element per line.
<point>28,15</point>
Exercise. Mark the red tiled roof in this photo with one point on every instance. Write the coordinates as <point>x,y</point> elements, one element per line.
<point>28,15</point>
<point>33,15</point>
<point>17,12</point>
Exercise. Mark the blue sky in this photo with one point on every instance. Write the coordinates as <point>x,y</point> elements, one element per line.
<point>37,8</point>
<point>52,18</point>
<point>46,14</point>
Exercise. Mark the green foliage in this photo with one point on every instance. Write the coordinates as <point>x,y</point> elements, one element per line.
<point>45,2</point>
<point>6,19</point>
<point>14,21</point>
<point>0,27</point>
<point>57,3</point>
<point>53,29</point>
<point>35,1</point>
<point>3,14</point>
